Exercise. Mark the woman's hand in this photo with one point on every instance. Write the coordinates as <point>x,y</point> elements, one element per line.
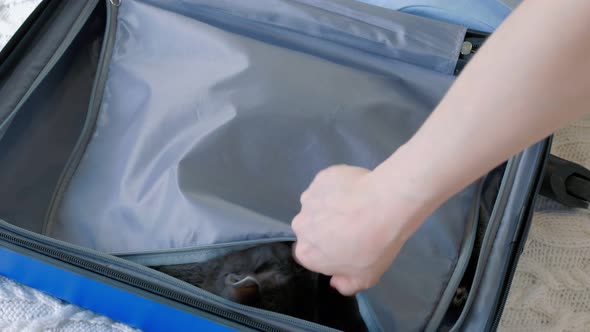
<point>347,227</point>
<point>353,222</point>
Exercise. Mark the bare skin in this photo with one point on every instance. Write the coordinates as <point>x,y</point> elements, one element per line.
<point>531,78</point>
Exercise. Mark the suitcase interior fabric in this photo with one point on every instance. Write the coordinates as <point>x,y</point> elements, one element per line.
<point>168,132</point>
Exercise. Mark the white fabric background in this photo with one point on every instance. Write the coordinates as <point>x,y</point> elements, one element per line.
<point>551,288</point>
<point>550,292</point>
<point>12,14</point>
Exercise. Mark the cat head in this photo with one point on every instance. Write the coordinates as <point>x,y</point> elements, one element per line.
<point>266,277</point>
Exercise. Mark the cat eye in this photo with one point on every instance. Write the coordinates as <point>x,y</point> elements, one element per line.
<point>264,267</point>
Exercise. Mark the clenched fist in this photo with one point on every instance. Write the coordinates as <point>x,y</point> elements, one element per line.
<point>351,227</point>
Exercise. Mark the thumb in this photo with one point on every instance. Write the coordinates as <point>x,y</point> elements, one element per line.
<point>345,285</point>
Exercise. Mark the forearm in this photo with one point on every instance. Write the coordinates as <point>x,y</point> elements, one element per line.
<point>530,78</point>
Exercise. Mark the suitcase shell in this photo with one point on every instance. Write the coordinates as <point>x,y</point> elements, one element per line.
<point>71,71</point>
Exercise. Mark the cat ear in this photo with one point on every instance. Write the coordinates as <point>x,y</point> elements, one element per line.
<point>242,289</point>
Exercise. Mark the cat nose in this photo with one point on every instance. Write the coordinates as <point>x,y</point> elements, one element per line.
<point>237,280</point>
<point>232,278</point>
<point>241,289</point>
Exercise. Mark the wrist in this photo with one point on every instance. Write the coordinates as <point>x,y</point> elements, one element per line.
<point>407,192</point>
<point>413,170</point>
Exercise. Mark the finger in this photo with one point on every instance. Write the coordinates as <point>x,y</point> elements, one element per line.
<point>306,255</point>
<point>295,256</point>
<point>304,196</point>
<point>298,225</point>
<point>345,285</point>
<point>322,178</point>
<point>304,231</point>
<point>307,191</point>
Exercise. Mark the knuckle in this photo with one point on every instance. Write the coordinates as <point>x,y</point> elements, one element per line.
<point>306,255</point>
<point>303,197</point>
<point>302,250</point>
<point>358,285</point>
<point>301,253</point>
<point>318,177</point>
<point>322,174</point>
<point>348,288</point>
<point>329,171</point>
<point>368,283</point>
<point>364,286</point>
<point>297,225</point>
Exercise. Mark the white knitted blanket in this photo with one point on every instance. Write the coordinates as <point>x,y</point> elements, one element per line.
<point>550,292</point>
<point>23,309</point>
<point>551,288</point>
<point>12,14</point>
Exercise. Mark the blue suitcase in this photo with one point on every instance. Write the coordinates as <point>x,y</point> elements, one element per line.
<point>136,133</point>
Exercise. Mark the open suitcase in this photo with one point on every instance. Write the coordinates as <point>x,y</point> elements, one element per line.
<point>136,133</point>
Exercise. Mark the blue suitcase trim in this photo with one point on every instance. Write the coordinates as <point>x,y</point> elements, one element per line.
<point>128,308</point>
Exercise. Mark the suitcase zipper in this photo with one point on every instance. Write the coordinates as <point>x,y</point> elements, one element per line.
<point>111,274</point>
<point>93,111</point>
<point>191,255</point>
<point>134,275</point>
<point>520,238</point>
<point>503,192</point>
<point>460,266</point>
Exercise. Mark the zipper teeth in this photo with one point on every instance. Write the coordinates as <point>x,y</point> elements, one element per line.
<point>503,298</point>
<point>503,193</point>
<point>514,263</point>
<point>122,277</point>
<point>62,249</point>
<point>93,111</point>
<point>465,253</point>
<point>505,292</point>
<point>133,256</point>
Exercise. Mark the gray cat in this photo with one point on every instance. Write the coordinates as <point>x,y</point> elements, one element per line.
<point>268,277</point>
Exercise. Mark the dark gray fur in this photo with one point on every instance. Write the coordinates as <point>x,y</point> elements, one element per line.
<point>268,277</point>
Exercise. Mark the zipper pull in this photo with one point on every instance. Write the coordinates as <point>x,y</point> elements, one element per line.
<point>115,3</point>
<point>466,48</point>
<point>471,44</point>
